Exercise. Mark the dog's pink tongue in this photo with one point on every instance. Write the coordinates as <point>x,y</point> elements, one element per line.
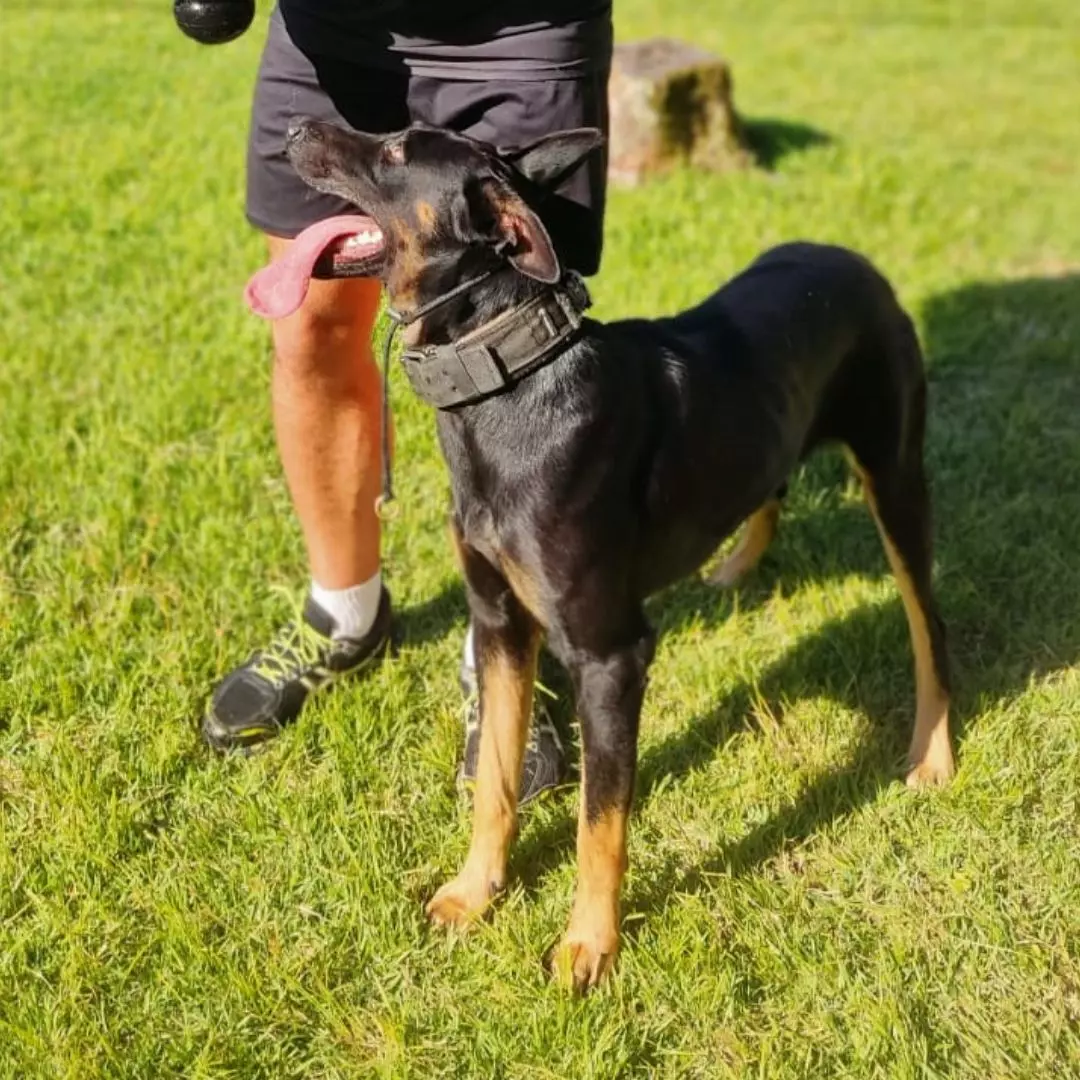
<point>279,289</point>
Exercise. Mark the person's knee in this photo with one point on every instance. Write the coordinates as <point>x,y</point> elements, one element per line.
<point>331,331</point>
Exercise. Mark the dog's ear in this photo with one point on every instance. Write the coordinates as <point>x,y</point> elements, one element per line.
<point>493,213</point>
<point>554,157</point>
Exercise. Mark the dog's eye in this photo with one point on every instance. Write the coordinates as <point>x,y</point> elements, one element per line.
<point>393,153</point>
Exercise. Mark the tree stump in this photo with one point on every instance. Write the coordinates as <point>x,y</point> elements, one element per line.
<point>670,104</point>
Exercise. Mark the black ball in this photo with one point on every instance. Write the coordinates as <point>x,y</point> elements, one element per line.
<point>213,22</point>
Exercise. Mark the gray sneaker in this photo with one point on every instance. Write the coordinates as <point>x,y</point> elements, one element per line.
<point>544,764</point>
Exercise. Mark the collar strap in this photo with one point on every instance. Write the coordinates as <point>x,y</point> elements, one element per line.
<point>502,352</point>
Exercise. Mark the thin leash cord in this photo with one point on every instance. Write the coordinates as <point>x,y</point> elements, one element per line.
<point>383,508</point>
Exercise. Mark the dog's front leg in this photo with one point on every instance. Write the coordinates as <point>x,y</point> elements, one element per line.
<point>507,641</point>
<point>610,690</point>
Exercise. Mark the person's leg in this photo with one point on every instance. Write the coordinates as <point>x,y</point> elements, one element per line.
<point>326,393</point>
<point>326,398</point>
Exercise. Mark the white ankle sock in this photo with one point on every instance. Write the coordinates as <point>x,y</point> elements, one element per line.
<point>468,653</point>
<point>354,609</point>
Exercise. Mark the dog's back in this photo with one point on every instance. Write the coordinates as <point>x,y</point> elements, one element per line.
<point>808,325</point>
<point>807,345</point>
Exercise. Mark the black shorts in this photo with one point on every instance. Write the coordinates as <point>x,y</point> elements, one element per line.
<point>511,108</point>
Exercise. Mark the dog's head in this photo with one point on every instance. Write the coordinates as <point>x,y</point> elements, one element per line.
<point>447,206</point>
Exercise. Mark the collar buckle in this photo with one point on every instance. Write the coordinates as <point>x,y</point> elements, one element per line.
<point>573,288</point>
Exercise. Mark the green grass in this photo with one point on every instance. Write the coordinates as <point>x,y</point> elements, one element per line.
<point>791,910</point>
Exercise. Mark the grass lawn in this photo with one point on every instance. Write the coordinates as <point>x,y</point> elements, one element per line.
<point>791,910</point>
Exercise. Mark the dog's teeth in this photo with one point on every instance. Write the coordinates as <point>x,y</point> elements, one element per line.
<point>363,239</point>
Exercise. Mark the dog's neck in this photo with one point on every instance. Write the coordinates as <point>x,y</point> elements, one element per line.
<point>504,289</point>
<point>501,329</point>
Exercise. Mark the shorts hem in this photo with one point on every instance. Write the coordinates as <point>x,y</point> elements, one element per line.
<point>276,231</point>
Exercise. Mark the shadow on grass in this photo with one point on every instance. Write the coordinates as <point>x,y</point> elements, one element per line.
<point>1004,459</point>
<point>433,619</point>
<point>770,139</point>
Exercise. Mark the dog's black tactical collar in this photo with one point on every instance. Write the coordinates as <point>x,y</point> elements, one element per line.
<point>503,351</point>
<point>486,360</point>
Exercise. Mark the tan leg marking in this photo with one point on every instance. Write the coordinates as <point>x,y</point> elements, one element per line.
<point>506,690</point>
<point>520,579</point>
<point>591,942</point>
<point>757,535</point>
<point>525,586</point>
<point>930,754</point>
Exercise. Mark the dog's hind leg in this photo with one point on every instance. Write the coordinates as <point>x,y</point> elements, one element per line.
<point>507,643</point>
<point>899,505</point>
<point>895,485</point>
<point>757,535</point>
<point>610,688</point>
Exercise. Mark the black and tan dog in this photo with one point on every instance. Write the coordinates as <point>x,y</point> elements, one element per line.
<point>593,464</point>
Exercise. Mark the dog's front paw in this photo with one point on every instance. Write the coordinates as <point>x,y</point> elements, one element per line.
<point>934,769</point>
<point>463,901</point>
<point>580,963</point>
<point>930,774</point>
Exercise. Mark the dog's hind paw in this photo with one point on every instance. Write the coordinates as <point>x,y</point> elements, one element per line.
<point>726,574</point>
